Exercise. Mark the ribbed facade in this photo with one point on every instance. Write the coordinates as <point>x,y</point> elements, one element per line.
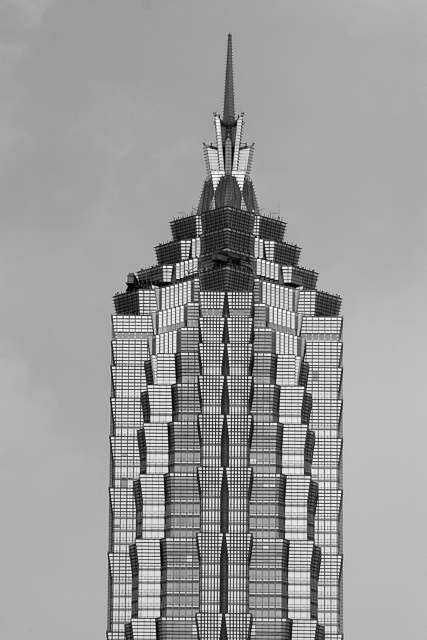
<point>225,488</point>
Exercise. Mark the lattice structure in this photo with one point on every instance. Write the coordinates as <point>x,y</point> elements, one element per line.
<point>226,472</point>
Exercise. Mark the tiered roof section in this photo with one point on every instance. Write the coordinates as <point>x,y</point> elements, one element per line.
<point>229,249</point>
<point>228,244</point>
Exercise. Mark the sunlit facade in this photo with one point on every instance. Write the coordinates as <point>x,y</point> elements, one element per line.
<point>226,432</point>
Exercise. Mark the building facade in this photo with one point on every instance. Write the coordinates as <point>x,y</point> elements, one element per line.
<point>226,428</point>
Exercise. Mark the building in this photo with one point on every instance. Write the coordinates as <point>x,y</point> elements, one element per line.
<point>226,471</point>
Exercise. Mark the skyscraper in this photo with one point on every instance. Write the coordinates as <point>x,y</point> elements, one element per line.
<point>225,488</point>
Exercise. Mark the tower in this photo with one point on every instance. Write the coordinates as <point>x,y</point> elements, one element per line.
<point>226,474</point>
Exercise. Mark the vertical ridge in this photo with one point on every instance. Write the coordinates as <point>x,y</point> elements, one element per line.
<point>228,116</point>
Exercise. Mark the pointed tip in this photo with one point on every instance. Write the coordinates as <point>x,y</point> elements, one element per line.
<point>228,115</point>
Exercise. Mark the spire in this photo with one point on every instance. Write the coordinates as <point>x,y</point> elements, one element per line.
<point>228,113</point>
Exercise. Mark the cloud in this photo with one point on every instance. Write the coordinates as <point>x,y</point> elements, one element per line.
<point>26,410</point>
<point>17,17</point>
<point>34,436</point>
<point>30,12</point>
<point>111,122</point>
<point>12,137</point>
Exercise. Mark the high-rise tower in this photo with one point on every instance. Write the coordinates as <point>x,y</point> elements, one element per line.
<point>225,486</point>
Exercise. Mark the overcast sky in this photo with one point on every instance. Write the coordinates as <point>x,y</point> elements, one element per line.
<point>104,107</point>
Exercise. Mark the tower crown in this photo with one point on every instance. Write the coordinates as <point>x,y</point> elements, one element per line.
<point>228,160</point>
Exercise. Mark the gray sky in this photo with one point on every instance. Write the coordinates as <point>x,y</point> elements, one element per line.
<point>103,111</point>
